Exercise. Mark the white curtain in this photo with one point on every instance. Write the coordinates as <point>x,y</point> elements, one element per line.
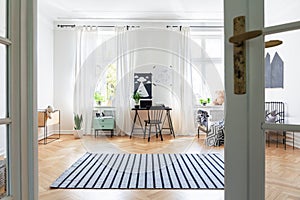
<point>124,90</point>
<point>183,86</point>
<point>87,72</point>
<point>93,67</point>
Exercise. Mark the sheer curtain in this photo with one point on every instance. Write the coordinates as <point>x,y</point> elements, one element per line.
<point>87,72</point>
<point>125,71</point>
<point>124,47</point>
<point>183,86</point>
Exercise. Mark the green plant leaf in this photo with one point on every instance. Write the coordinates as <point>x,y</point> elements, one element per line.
<point>77,121</point>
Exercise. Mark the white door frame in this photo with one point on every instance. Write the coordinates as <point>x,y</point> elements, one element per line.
<point>22,146</point>
<point>245,141</point>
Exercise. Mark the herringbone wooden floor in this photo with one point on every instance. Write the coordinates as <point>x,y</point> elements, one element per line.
<point>282,174</point>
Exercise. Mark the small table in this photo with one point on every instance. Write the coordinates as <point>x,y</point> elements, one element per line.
<point>167,117</point>
<point>105,124</point>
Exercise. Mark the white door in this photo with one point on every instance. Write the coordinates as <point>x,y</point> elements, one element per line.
<point>5,120</point>
<point>245,114</point>
<point>18,143</point>
<point>282,22</point>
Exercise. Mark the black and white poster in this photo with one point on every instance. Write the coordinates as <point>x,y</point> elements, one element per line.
<point>143,84</point>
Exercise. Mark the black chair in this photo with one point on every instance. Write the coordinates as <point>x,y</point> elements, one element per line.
<point>155,114</point>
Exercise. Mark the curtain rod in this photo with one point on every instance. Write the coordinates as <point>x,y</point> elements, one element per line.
<point>168,26</point>
<point>73,26</point>
<point>207,26</point>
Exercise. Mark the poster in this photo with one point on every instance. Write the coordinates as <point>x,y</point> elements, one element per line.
<point>143,85</point>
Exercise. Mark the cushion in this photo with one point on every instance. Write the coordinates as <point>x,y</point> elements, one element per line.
<point>271,117</point>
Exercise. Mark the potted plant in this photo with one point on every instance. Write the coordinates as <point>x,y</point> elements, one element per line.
<point>204,101</point>
<point>98,98</point>
<point>136,96</point>
<point>77,126</point>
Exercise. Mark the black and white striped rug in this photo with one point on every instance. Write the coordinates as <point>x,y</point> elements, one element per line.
<point>144,171</point>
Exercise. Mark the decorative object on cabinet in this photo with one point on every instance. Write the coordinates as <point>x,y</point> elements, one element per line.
<point>99,98</point>
<point>46,119</point>
<point>220,98</point>
<point>204,101</point>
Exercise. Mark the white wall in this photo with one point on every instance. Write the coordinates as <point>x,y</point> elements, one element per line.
<point>45,62</point>
<point>64,62</point>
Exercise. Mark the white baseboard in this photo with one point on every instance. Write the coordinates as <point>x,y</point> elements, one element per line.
<point>62,132</point>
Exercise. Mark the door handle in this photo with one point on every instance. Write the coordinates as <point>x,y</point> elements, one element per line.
<point>239,52</point>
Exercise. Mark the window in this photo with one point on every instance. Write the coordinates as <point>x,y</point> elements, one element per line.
<point>106,87</point>
<point>211,42</point>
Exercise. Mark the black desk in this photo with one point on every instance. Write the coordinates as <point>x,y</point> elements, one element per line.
<point>167,117</point>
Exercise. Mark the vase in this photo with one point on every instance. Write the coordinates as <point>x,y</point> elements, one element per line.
<point>78,134</point>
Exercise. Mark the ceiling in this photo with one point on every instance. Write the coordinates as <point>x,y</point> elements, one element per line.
<point>64,10</point>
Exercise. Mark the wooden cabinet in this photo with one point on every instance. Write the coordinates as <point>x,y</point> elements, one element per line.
<point>104,124</point>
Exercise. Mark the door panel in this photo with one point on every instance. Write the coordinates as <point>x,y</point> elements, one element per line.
<point>281,166</point>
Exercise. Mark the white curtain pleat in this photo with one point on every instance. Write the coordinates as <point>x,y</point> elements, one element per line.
<point>183,111</point>
<point>124,90</point>
<point>86,73</point>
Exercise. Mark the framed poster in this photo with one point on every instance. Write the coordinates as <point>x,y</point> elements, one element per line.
<point>143,85</point>
<point>162,75</point>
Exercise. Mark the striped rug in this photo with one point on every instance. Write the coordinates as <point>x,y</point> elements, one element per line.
<point>144,171</point>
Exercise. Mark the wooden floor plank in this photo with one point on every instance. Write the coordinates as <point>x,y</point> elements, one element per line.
<point>282,167</point>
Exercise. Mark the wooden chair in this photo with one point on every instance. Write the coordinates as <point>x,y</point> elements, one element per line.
<point>202,119</point>
<point>155,114</point>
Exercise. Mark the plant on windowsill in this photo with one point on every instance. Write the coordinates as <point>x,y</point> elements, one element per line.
<point>98,98</point>
<point>78,132</point>
<point>204,101</point>
<point>136,96</point>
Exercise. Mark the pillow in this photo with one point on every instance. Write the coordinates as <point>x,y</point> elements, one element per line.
<point>271,117</point>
